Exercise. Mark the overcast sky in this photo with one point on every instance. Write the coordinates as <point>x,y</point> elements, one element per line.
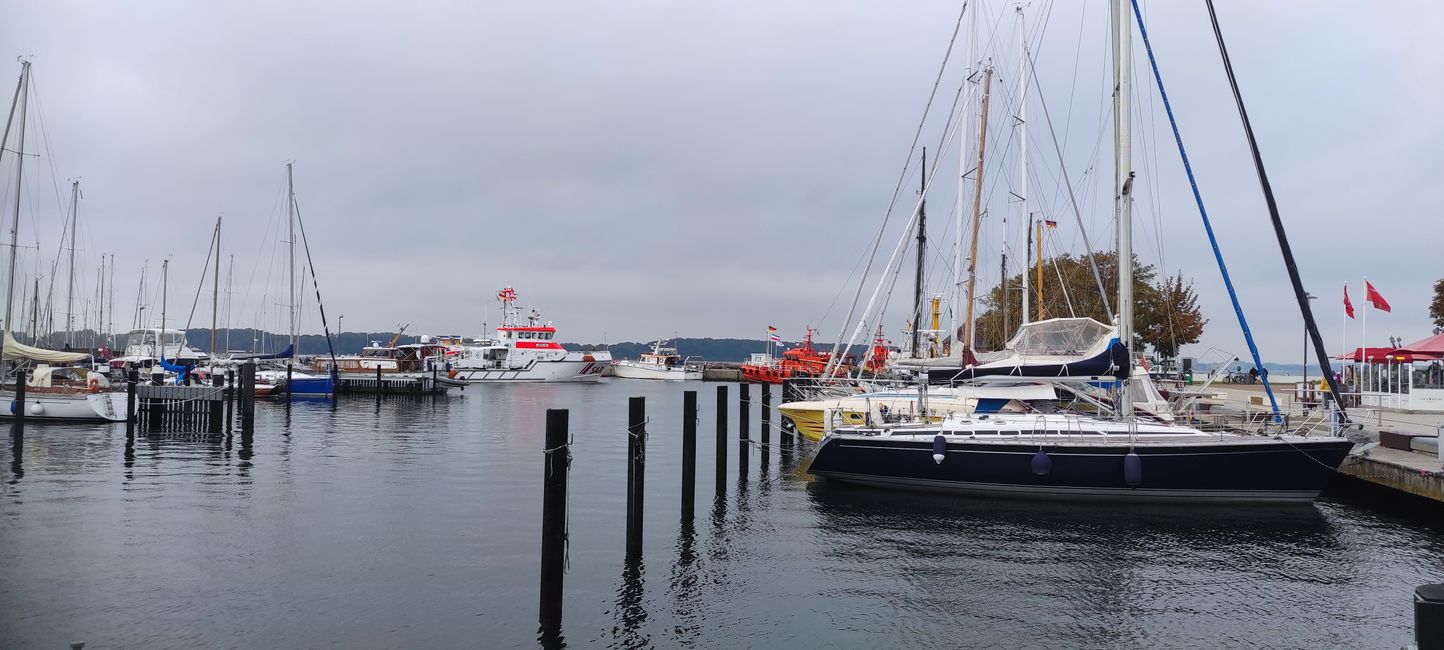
<point>636,169</point>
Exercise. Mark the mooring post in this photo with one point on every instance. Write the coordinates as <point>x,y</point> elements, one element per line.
<point>689,454</point>
<point>131,379</point>
<point>557,460</point>
<point>721,439</point>
<point>636,471</point>
<point>289,368</point>
<point>230,400</point>
<point>155,411</point>
<point>766,416</point>
<point>248,396</point>
<point>378,382</point>
<point>18,410</point>
<point>1429,616</point>
<point>217,403</point>
<point>744,421</point>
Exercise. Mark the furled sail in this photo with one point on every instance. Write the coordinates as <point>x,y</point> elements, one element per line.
<point>15,350</point>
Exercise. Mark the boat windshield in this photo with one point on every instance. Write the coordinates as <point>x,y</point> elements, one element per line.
<point>1060,337</point>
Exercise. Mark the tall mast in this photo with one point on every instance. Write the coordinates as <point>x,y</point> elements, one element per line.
<point>977,213</point>
<point>35,314</point>
<point>1022,185</point>
<point>164,289</point>
<point>100,303</point>
<point>230,273</point>
<point>110,307</point>
<point>967,115</point>
<point>1123,186</point>
<point>215,289</point>
<point>70,275</point>
<point>22,91</point>
<point>291,225</point>
<point>922,253</point>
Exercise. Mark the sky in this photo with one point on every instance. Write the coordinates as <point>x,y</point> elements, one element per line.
<point>637,169</point>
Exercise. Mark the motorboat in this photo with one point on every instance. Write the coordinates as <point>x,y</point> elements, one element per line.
<point>663,363</point>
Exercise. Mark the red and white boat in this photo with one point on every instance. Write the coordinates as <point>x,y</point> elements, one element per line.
<point>524,352</point>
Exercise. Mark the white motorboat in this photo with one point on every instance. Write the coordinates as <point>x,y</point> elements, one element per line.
<point>524,352</point>
<point>662,363</point>
<point>66,393</point>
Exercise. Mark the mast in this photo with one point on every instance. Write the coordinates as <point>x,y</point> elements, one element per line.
<point>291,226</point>
<point>922,253</point>
<point>35,314</point>
<point>100,304</point>
<point>164,289</point>
<point>1038,264</point>
<point>215,290</point>
<point>70,275</point>
<point>968,114</point>
<point>1123,187</point>
<point>977,213</point>
<point>110,308</point>
<point>22,92</point>
<point>230,274</point>
<point>1022,124</point>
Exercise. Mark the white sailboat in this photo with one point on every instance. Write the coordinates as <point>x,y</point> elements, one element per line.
<point>52,393</point>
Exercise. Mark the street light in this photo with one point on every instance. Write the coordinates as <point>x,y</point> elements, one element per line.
<point>339,329</point>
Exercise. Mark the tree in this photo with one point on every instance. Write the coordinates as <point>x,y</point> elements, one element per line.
<point>1166,313</point>
<point>1436,308</point>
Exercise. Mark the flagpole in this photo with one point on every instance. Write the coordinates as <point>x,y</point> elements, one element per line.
<point>1364,330</point>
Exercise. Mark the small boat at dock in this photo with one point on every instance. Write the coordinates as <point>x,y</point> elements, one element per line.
<point>662,363</point>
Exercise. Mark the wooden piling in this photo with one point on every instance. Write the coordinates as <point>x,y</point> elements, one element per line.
<point>721,440</point>
<point>130,415</point>
<point>636,471</point>
<point>744,421</point>
<point>248,396</point>
<point>557,462</point>
<point>689,454</point>
<point>230,400</point>
<point>19,408</point>
<point>766,416</point>
<point>289,368</point>
<point>218,381</point>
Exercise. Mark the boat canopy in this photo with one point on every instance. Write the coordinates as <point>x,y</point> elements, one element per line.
<point>1059,337</point>
<point>15,350</point>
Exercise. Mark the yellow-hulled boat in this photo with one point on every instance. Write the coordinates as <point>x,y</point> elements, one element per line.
<point>814,418</point>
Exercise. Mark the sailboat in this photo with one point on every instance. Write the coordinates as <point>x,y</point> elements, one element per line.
<point>1072,456</point>
<point>52,393</point>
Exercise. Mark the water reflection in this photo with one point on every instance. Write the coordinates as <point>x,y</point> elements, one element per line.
<point>17,454</point>
<point>628,613</point>
<point>683,587</point>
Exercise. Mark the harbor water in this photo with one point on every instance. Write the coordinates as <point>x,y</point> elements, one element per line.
<point>415,522</point>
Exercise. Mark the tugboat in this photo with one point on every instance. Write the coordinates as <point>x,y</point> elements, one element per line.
<point>801,361</point>
<point>526,352</point>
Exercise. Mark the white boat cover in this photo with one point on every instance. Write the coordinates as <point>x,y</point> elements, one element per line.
<point>17,350</point>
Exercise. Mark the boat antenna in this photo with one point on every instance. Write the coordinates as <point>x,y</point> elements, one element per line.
<point>1278,224</point>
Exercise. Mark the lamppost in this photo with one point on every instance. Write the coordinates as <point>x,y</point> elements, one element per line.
<point>339,328</point>
<point>1307,296</point>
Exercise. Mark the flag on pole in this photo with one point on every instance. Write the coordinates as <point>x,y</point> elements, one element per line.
<point>776,338</point>
<point>1372,295</point>
<point>1348,306</point>
<point>1050,224</point>
<point>771,329</point>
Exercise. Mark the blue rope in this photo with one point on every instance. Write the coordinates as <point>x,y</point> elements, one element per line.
<point>1207,226</point>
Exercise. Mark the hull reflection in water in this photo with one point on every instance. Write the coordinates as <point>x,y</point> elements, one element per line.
<point>1082,458</point>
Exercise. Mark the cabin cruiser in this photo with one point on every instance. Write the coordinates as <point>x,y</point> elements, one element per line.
<point>662,362</point>
<point>524,352</point>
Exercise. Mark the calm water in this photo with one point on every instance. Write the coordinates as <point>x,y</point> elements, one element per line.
<point>417,523</point>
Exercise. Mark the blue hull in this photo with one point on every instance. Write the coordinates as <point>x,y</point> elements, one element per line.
<point>1222,472</point>
<point>311,386</point>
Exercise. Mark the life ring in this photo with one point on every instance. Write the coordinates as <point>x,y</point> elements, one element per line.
<point>93,383</point>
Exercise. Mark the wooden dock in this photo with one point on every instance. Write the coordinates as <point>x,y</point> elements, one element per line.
<point>418,384</point>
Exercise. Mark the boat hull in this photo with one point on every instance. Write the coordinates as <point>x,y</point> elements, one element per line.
<point>625,370</point>
<point>1266,470</point>
<point>575,367</point>
<point>76,407</point>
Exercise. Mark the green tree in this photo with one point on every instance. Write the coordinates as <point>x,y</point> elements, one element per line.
<point>1436,308</point>
<point>1166,313</point>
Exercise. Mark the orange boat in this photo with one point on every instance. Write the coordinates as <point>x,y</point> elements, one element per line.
<point>802,361</point>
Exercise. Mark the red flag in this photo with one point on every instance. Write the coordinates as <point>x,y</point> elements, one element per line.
<point>1348,306</point>
<point>1372,295</point>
